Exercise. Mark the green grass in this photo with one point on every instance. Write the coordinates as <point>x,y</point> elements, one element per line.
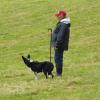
<point>24,29</point>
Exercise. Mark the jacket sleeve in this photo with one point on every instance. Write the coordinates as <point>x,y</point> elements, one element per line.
<point>60,35</point>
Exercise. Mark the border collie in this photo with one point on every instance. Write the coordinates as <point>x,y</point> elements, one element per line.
<point>46,67</point>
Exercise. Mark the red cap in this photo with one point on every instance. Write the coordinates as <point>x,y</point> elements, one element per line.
<point>61,12</point>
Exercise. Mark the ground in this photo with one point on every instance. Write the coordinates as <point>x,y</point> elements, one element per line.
<point>24,30</point>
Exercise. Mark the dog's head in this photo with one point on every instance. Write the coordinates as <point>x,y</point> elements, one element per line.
<point>27,60</point>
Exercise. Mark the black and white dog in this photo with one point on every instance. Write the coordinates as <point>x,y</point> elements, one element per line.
<point>46,67</point>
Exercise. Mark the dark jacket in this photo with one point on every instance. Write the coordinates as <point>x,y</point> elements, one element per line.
<point>60,35</point>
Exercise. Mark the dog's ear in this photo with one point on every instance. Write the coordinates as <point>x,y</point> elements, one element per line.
<point>28,56</point>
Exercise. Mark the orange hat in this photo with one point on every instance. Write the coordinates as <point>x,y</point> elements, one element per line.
<point>61,12</point>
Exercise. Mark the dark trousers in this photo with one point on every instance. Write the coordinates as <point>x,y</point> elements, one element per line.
<point>59,61</point>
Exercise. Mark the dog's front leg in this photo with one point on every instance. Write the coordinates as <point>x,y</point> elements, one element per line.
<point>52,75</point>
<point>35,73</point>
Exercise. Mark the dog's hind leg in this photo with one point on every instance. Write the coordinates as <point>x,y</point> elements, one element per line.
<point>45,73</point>
<point>35,73</point>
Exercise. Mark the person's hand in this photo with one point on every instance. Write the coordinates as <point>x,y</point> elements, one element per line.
<point>56,48</point>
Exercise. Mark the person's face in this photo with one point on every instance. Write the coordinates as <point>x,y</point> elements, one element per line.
<point>60,17</point>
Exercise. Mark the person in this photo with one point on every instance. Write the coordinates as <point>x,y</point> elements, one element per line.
<point>60,39</point>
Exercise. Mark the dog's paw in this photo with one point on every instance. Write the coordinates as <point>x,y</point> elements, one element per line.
<point>36,78</point>
<point>49,76</point>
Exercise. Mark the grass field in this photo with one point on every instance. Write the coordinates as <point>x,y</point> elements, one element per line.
<point>24,30</point>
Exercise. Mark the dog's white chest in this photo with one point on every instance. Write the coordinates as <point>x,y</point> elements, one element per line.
<point>31,60</point>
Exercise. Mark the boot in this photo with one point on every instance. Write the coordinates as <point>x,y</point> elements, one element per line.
<point>58,70</point>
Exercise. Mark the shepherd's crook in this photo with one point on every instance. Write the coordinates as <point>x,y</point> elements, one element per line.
<point>50,41</point>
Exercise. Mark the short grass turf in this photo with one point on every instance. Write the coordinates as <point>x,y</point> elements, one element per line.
<point>24,30</point>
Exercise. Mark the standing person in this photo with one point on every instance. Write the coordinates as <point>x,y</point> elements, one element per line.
<point>60,39</point>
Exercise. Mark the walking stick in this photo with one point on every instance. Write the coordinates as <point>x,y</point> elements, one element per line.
<point>50,41</point>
